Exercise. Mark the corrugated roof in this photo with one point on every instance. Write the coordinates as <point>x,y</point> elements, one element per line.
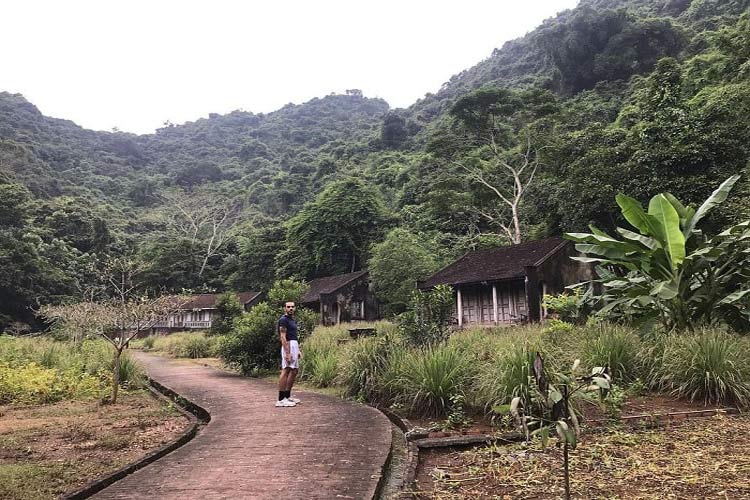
<point>208,300</point>
<point>329,284</point>
<point>495,264</point>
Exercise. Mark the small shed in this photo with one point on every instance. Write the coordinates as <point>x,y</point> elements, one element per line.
<point>344,297</point>
<point>505,285</point>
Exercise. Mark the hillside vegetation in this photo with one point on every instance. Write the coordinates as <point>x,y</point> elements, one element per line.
<point>634,96</point>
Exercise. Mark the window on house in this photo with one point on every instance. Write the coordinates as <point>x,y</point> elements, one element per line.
<point>357,309</point>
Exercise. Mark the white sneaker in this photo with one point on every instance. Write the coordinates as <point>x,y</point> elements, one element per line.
<point>285,402</point>
<point>294,400</point>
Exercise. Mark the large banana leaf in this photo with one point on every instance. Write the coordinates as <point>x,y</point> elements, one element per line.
<point>670,235</point>
<point>717,197</point>
<point>646,241</point>
<point>635,215</point>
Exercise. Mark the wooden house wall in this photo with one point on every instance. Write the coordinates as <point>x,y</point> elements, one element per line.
<point>560,270</point>
<point>478,308</point>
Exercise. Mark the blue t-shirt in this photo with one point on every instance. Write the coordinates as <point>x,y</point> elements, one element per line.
<point>290,325</point>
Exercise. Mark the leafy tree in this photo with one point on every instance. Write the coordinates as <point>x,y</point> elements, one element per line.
<point>228,308</point>
<point>397,264</point>
<point>255,268</point>
<point>333,233</point>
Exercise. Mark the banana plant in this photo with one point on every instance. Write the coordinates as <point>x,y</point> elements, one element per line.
<point>666,269</point>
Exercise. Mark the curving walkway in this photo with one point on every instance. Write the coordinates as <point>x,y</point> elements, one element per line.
<point>324,448</point>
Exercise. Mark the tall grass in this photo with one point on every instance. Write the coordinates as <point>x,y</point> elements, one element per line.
<point>429,377</point>
<point>709,366</point>
<point>320,360</point>
<point>616,347</point>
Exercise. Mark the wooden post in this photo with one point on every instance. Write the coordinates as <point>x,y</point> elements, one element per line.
<point>494,302</point>
<point>533,304</point>
<point>459,308</point>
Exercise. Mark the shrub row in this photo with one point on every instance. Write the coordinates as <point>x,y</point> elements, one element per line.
<point>182,345</point>
<point>43,370</point>
<point>486,367</point>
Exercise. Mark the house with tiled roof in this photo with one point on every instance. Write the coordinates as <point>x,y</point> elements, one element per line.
<point>505,285</point>
<point>342,298</point>
<point>199,312</point>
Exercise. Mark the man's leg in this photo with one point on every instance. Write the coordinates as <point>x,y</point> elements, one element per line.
<point>291,378</point>
<point>283,382</point>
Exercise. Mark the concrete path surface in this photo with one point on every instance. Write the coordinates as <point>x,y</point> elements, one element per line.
<point>323,448</point>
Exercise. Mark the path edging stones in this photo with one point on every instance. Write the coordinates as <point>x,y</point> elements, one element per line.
<point>194,413</point>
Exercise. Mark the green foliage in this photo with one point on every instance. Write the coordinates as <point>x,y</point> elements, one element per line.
<point>709,366</point>
<point>321,360</point>
<point>254,342</point>
<point>397,264</point>
<point>333,233</point>
<point>228,308</point>
<point>41,370</point>
<point>567,306</point>
<point>616,348</point>
<point>287,290</point>
<point>429,316</point>
<point>369,368</point>
<point>148,342</point>
<point>428,379</point>
<point>33,384</point>
<point>669,270</point>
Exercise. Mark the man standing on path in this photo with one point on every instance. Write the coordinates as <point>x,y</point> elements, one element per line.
<point>290,354</point>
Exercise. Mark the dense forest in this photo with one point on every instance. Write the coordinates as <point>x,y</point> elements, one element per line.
<point>633,96</point>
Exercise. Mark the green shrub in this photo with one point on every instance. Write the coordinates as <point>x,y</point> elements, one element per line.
<point>325,369</point>
<point>34,384</point>
<point>324,345</point>
<point>711,366</point>
<point>148,342</point>
<point>429,377</point>
<point>427,319</point>
<point>254,342</point>
<point>615,347</point>
<point>567,306</point>
<point>195,346</point>
<point>228,308</point>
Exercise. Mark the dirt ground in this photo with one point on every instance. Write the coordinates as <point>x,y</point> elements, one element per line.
<point>48,450</point>
<point>698,458</point>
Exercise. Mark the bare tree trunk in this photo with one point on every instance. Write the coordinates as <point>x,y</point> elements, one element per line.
<point>116,375</point>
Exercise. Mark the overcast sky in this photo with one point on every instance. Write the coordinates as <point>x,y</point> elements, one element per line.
<point>136,64</point>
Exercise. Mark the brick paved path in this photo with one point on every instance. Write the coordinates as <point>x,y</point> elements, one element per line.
<point>324,448</point>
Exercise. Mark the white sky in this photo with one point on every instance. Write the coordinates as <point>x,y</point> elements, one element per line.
<point>135,64</point>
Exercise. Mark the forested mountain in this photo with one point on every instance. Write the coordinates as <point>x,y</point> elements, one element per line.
<point>635,96</point>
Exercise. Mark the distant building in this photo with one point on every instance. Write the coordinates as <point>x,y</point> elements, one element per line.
<point>505,285</point>
<point>199,312</point>
<point>341,298</point>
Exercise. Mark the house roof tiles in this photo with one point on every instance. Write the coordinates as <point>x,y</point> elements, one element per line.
<point>208,300</point>
<point>329,284</point>
<point>495,264</point>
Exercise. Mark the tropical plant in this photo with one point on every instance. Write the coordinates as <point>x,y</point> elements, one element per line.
<point>670,271</point>
<point>550,406</point>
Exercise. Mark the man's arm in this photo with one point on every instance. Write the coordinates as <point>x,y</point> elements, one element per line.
<point>284,343</point>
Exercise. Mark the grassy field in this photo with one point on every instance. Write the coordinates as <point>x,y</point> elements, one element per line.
<point>47,450</point>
